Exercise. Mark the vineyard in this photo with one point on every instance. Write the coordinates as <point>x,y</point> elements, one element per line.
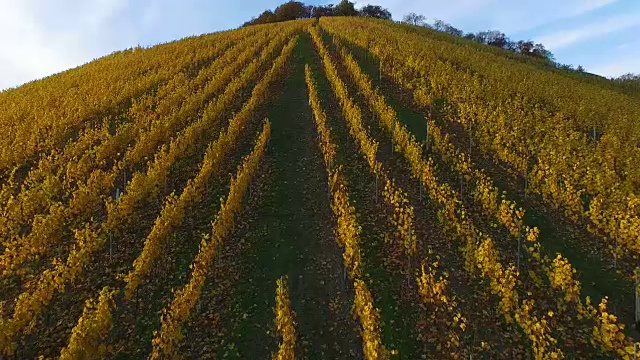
<point>318,189</point>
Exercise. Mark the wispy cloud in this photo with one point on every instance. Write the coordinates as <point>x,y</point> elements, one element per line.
<point>568,37</point>
<point>590,5</point>
<point>617,68</point>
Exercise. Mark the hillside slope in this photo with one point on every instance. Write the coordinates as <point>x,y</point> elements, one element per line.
<point>342,188</point>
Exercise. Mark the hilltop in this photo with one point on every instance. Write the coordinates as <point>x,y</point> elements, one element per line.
<point>341,187</point>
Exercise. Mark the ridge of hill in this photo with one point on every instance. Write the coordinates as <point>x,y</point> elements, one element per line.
<point>332,188</point>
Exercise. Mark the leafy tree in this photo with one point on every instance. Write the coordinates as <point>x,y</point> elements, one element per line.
<point>452,30</point>
<point>525,47</point>
<point>291,10</point>
<point>375,11</point>
<point>414,19</point>
<point>345,8</point>
<point>323,10</point>
<point>497,39</point>
<point>267,16</point>
<point>471,36</point>
<point>540,51</point>
<point>566,67</point>
<point>628,77</point>
<point>481,36</point>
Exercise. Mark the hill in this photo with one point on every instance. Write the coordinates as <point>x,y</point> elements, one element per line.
<point>341,188</point>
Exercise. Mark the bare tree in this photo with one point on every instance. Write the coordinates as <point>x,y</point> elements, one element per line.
<point>414,19</point>
<point>439,25</point>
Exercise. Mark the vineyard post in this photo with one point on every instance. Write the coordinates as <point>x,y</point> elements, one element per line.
<point>615,254</point>
<point>111,234</point>
<point>124,173</point>
<point>345,273</point>
<point>376,187</point>
<point>110,246</point>
<point>470,137</point>
<point>410,253</point>
<point>636,295</point>
<point>526,168</point>
<point>615,246</point>
<point>393,129</point>
<point>426,141</point>
<point>519,250</point>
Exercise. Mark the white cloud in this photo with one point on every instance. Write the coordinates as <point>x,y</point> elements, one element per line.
<point>568,37</point>
<point>40,38</point>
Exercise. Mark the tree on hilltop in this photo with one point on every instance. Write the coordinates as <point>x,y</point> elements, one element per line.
<point>345,8</point>
<point>292,10</point>
<point>414,19</point>
<point>375,11</point>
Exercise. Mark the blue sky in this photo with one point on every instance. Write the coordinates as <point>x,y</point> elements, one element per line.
<point>42,37</point>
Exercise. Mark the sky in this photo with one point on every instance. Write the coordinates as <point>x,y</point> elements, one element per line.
<point>42,37</point>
